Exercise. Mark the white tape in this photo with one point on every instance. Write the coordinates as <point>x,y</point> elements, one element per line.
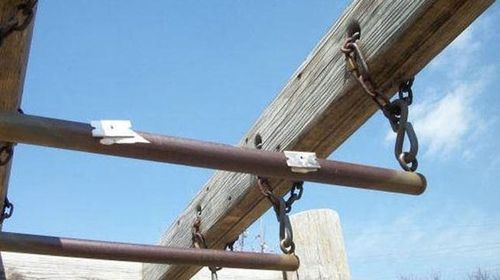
<point>302,162</point>
<point>116,132</point>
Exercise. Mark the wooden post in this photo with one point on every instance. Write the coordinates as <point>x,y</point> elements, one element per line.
<point>13,61</point>
<point>318,109</point>
<point>14,52</point>
<point>319,246</point>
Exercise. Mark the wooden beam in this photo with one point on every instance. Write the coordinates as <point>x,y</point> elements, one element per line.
<point>318,110</point>
<point>14,53</point>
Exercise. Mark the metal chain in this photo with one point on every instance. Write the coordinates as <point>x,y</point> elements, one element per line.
<point>279,205</point>
<point>200,242</point>
<point>295,194</point>
<point>396,111</point>
<point>230,245</point>
<point>6,152</point>
<point>19,21</point>
<point>7,211</point>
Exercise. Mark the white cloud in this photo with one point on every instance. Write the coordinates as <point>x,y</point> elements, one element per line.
<point>448,124</point>
<point>450,120</point>
<point>418,240</point>
<point>459,55</point>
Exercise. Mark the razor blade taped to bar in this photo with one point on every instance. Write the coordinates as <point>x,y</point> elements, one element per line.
<point>302,162</point>
<point>116,132</point>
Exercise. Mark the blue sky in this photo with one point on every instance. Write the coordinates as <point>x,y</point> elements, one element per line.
<point>205,71</point>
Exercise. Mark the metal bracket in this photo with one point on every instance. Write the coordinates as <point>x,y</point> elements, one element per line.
<point>116,132</point>
<point>302,162</point>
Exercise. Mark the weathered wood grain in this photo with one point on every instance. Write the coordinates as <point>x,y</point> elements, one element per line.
<point>320,246</point>
<point>13,61</point>
<point>25,266</point>
<point>318,110</point>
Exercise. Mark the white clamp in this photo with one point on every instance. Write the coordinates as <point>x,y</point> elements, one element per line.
<point>116,132</point>
<point>302,162</point>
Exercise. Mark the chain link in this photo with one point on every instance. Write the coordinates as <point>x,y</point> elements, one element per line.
<point>200,242</point>
<point>279,205</point>
<point>405,87</point>
<point>19,21</point>
<point>295,194</point>
<point>7,211</point>
<point>230,245</point>
<point>6,152</point>
<point>395,111</point>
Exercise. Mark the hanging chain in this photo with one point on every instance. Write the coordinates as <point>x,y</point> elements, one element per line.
<point>279,205</point>
<point>19,21</point>
<point>230,245</point>
<point>395,111</point>
<point>200,242</point>
<point>7,211</point>
<point>295,194</point>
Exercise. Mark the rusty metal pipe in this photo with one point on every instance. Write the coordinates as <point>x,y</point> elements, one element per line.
<point>18,128</point>
<point>79,248</point>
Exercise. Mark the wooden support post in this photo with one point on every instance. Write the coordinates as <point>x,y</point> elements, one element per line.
<point>318,110</point>
<point>14,52</point>
<point>319,246</point>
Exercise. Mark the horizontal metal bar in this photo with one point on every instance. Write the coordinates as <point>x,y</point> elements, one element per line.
<point>80,248</point>
<point>19,128</point>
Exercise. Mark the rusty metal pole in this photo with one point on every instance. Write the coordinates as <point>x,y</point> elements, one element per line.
<point>79,248</point>
<point>19,128</point>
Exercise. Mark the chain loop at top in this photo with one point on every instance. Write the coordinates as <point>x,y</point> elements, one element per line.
<point>6,152</point>
<point>19,21</point>
<point>200,242</point>
<point>395,111</point>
